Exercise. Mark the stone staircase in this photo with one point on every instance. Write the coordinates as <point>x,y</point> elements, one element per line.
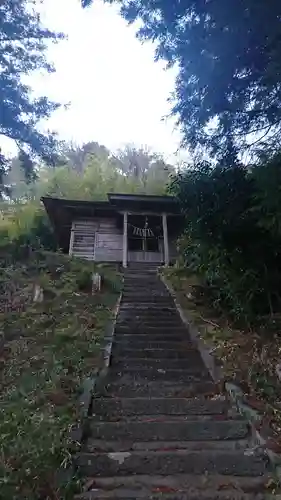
<point>161,429</point>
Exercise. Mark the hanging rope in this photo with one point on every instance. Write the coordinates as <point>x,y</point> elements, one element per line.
<point>144,232</point>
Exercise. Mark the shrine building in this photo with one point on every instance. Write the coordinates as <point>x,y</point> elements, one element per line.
<point>126,229</point>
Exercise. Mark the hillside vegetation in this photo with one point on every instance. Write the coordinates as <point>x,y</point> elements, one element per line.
<point>48,348</point>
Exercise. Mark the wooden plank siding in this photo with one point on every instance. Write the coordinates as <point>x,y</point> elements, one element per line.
<point>97,239</point>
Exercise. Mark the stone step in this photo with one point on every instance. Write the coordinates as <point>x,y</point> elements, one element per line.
<point>234,463</point>
<point>102,446</point>
<point>179,487</point>
<point>151,354</point>
<point>155,300</point>
<point>154,320</point>
<point>148,294</point>
<point>143,388</point>
<point>142,273</point>
<point>158,287</point>
<point>146,323</point>
<point>163,330</point>
<point>144,341</point>
<point>142,279</point>
<point>164,374</point>
<point>146,299</point>
<point>184,482</point>
<point>205,495</point>
<point>150,307</point>
<point>146,334</point>
<point>149,316</point>
<point>141,286</point>
<point>118,408</point>
<point>144,288</point>
<point>189,364</point>
<point>209,430</point>
<point>141,308</point>
<point>176,335</point>
<point>160,374</point>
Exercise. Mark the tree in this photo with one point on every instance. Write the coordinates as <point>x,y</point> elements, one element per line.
<point>22,50</point>
<point>87,172</point>
<point>77,156</point>
<point>145,166</point>
<point>228,89</point>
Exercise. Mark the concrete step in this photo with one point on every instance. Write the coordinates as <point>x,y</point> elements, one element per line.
<point>143,388</point>
<point>209,430</point>
<point>149,323</point>
<point>148,329</point>
<point>234,463</point>
<point>179,487</point>
<point>142,279</point>
<point>185,482</point>
<point>150,308</point>
<point>206,495</point>
<point>144,289</point>
<point>135,286</point>
<point>193,362</point>
<point>157,285</point>
<point>152,319</point>
<point>146,299</point>
<point>148,315</point>
<point>164,374</point>
<point>160,374</point>
<point>134,335</point>
<point>102,446</point>
<point>157,298</point>
<point>144,341</point>
<point>185,355</point>
<point>110,408</point>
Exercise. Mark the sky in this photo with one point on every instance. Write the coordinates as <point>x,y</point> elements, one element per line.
<point>118,93</point>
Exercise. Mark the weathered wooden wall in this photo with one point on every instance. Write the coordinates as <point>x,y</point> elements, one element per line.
<point>97,239</point>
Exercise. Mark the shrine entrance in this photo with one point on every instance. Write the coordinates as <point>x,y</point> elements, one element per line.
<point>145,239</point>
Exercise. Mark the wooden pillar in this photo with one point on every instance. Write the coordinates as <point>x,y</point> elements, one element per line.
<point>125,240</point>
<point>166,241</point>
<point>71,241</point>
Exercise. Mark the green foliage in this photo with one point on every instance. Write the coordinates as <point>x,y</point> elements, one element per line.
<point>90,172</point>
<point>23,42</point>
<point>228,85</point>
<point>232,236</point>
<point>24,227</point>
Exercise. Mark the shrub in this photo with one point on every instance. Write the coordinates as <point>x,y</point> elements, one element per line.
<point>233,233</point>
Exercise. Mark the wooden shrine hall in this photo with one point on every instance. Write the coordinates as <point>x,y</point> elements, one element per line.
<point>126,228</point>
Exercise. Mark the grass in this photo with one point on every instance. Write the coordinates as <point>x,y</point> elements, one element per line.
<point>47,349</point>
<point>247,356</point>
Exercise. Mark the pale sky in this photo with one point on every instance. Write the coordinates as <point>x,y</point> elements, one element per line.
<point>118,93</point>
